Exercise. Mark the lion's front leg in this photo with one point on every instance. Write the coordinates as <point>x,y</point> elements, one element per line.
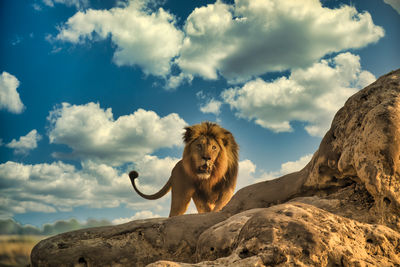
<point>223,199</point>
<point>202,205</point>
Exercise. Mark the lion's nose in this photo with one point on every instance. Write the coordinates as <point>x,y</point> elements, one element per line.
<point>206,158</point>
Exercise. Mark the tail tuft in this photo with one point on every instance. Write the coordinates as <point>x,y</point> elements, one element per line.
<point>133,175</point>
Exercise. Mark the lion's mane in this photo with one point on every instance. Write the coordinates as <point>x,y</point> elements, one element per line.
<point>226,165</point>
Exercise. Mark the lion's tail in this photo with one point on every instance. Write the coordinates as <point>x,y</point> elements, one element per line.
<point>133,175</point>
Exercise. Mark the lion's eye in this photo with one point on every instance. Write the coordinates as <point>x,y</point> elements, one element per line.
<point>214,148</point>
<point>199,146</point>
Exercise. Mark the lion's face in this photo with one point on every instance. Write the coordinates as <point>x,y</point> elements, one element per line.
<point>210,152</point>
<point>205,151</point>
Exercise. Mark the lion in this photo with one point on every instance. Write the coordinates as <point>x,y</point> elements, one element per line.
<point>207,172</point>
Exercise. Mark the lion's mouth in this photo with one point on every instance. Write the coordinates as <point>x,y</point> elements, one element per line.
<point>206,169</point>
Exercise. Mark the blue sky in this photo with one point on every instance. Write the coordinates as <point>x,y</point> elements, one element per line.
<point>92,89</point>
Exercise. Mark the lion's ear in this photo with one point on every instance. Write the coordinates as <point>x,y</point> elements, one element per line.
<point>187,136</point>
<point>226,140</point>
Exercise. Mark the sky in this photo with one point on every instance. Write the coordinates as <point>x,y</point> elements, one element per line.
<point>91,89</point>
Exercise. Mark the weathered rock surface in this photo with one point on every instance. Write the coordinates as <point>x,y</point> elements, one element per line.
<point>295,234</point>
<point>363,146</point>
<point>342,209</point>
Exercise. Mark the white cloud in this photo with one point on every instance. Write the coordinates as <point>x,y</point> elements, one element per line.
<point>311,95</point>
<point>286,168</point>
<point>92,132</point>
<point>146,214</point>
<point>79,4</point>
<point>25,143</point>
<point>62,187</point>
<point>37,7</point>
<point>246,175</point>
<point>249,174</point>
<point>174,82</point>
<point>40,187</point>
<point>253,37</point>
<point>9,97</point>
<point>211,106</point>
<point>294,166</point>
<point>35,207</point>
<point>142,37</point>
<point>153,172</point>
<point>239,41</point>
<point>393,3</point>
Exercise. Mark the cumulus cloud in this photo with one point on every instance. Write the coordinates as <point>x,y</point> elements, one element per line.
<point>248,173</point>
<point>9,97</point>
<point>93,133</point>
<point>174,82</point>
<point>393,3</point>
<point>239,41</point>
<point>26,187</point>
<point>209,103</point>
<point>61,187</point>
<point>153,172</point>
<point>252,37</point>
<point>25,143</point>
<point>145,214</point>
<point>108,148</point>
<point>142,37</point>
<point>311,95</point>
<point>289,167</point>
<point>79,4</point>
<point>212,106</point>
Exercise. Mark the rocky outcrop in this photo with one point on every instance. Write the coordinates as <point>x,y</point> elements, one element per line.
<point>342,209</point>
<point>363,146</point>
<point>295,234</point>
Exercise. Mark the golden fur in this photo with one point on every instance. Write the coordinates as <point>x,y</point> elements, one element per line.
<point>207,172</point>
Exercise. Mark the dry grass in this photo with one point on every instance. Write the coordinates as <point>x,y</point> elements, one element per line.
<point>15,250</point>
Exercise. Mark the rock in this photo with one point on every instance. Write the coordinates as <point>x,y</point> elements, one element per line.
<point>132,244</point>
<point>297,234</point>
<point>343,208</point>
<point>363,146</point>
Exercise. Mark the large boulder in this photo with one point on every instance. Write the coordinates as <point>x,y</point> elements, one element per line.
<point>295,234</point>
<point>363,146</point>
<point>343,208</point>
